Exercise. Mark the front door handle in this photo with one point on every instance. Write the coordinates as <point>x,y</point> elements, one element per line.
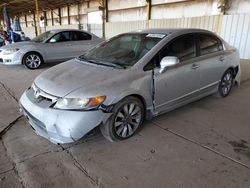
<point>195,66</point>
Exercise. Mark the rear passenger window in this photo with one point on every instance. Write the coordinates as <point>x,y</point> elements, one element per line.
<point>209,44</point>
<point>61,37</point>
<point>182,47</point>
<point>76,35</point>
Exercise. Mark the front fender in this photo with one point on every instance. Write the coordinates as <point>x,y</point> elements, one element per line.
<point>146,97</point>
<point>31,48</point>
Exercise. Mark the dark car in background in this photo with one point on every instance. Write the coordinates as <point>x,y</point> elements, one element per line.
<point>1,42</point>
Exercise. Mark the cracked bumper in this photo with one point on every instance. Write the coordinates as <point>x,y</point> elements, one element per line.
<point>59,126</point>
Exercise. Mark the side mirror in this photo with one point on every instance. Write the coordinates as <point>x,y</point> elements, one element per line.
<point>168,61</point>
<point>52,40</point>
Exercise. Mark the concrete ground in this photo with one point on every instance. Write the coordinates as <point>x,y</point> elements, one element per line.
<point>204,144</point>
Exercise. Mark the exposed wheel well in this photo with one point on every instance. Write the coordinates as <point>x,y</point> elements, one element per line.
<point>34,52</point>
<point>148,113</point>
<point>140,98</point>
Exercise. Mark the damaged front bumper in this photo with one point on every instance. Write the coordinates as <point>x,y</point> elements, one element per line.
<point>59,126</point>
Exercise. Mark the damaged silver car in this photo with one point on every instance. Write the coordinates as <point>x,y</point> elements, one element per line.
<point>127,79</point>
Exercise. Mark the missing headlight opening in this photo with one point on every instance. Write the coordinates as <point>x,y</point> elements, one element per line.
<point>106,109</point>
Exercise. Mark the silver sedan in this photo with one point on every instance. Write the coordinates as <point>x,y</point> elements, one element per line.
<point>127,79</point>
<point>51,46</point>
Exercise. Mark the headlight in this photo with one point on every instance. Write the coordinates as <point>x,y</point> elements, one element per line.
<point>79,104</point>
<point>34,87</point>
<point>10,51</point>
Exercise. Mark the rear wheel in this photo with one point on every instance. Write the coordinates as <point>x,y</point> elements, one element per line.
<point>32,60</point>
<point>126,120</point>
<point>226,83</point>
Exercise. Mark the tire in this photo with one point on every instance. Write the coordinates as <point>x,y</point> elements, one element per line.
<point>32,60</point>
<point>226,83</point>
<point>125,121</point>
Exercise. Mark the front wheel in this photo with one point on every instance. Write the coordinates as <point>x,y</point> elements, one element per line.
<point>32,60</point>
<point>126,120</point>
<point>226,83</point>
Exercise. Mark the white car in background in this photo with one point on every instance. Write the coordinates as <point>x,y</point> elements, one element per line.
<point>51,46</point>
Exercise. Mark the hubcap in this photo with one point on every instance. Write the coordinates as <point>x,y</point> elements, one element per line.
<point>128,120</point>
<point>226,83</point>
<point>33,61</point>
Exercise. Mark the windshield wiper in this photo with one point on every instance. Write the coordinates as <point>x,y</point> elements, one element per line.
<point>82,58</point>
<point>111,64</point>
<point>104,63</point>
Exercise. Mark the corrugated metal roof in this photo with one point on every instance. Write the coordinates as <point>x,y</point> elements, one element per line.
<point>16,7</point>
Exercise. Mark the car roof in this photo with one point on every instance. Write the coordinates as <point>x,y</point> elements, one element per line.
<point>61,30</point>
<point>168,31</point>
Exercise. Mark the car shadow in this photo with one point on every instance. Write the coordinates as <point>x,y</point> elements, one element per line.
<point>49,65</point>
<point>92,136</point>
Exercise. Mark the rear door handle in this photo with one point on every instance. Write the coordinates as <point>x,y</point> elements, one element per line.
<point>195,66</point>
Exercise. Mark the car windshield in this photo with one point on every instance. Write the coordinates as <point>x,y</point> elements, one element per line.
<point>124,50</point>
<point>43,36</point>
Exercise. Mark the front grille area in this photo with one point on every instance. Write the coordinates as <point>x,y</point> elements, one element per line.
<point>40,101</point>
<point>38,93</point>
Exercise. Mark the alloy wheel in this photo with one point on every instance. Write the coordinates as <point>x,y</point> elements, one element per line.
<point>127,120</point>
<point>226,83</point>
<point>33,61</point>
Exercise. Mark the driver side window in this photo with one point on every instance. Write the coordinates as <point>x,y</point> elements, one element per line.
<point>60,37</point>
<point>183,47</point>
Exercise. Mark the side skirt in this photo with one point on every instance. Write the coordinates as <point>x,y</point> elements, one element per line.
<point>188,98</point>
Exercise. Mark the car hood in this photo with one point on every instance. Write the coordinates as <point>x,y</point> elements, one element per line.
<point>72,75</point>
<point>18,45</point>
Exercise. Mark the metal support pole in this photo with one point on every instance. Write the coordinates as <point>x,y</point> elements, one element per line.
<point>35,24</point>
<point>148,6</point>
<point>68,14</point>
<point>38,18</point>
<point>25,18</point>
<point>106,11</point>
<point>88,27</point>
<point>79,16</point>
<point>104,19</point>
<point>60,16</point>
<point>52,18</point>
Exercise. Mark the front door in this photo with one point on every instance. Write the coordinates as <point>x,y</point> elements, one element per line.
<point>181,82</point>
<point>59,47</point>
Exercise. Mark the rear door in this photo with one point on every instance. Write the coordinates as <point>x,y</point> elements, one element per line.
<point>82,41</point>
<point>211,62</point>
<point>180,83</point>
